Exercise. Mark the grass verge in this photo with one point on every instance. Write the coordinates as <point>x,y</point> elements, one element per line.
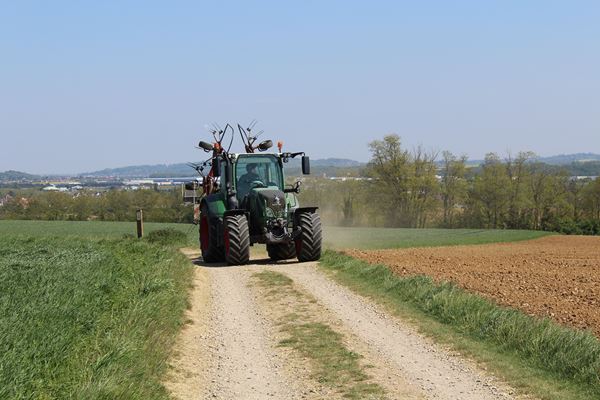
<point>88,318</point>
<point>536,356</point>
<point>395,238</point>
<point>333,363</point>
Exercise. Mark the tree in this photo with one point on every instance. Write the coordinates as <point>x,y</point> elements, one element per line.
<point>423,187</point>
<point>491,190</point>
<point>518,174</point>
<point>591,199</point>
<point>390,169</point>
<point>453,185</point>
<point>576,193</point>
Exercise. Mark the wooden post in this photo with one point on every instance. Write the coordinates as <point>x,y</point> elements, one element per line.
<point>139,216</point>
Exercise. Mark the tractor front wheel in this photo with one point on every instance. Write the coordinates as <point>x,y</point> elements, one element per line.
<point>237,240</point>
<point>308,244</point>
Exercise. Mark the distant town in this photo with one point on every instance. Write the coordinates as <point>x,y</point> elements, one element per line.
<point>580,166</point>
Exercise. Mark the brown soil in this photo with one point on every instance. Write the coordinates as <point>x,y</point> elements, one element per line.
<point>556,276</point>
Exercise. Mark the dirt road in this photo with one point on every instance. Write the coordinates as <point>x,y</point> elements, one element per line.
<point>232,347</point>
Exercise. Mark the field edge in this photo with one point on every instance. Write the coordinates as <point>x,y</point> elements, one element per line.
<point>441,312</point>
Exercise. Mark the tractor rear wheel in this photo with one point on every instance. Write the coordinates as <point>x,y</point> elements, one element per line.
<point>237,240</point>
<point>308,244</point>
<point>211,252</point>
<point>281,251</point>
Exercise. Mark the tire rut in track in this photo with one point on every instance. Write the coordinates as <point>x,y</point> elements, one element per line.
<point>437,373</point>
<point>226,350</point>
<point>371,379</point>
<point>245,362</point>
<point>186,376</point>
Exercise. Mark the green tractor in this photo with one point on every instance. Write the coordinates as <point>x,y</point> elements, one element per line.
<point>245,201</point>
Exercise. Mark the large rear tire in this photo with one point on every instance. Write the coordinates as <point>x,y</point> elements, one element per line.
<point>281,251</point>
<point>308,244</point>
<point>237,240</point>
<point>211,252</point>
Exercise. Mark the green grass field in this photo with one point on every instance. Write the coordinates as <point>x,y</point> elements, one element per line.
<point>334,237</point>
<point>87,318</point>
<point>92,229</point>
<point>387,238</point>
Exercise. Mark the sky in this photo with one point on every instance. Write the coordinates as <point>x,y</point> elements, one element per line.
<point>92,85</point>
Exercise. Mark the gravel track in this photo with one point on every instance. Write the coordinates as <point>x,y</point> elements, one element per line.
<point>246,364</point>
<point>234,355</point>
<point>436,372</point>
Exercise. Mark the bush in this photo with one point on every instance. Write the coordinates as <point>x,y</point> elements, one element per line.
<point>590,227</point>
<point>167,237</point>
<point>568,226</point>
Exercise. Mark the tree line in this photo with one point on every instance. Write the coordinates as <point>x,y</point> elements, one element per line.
<point>111,205</point>
<point>420,189</point>
<point>398,188</point>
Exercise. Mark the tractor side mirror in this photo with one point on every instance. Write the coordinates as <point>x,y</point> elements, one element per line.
<point>206,146</point>
<point>266,145</point>
<point>216,163</point>
<point>305,165</point>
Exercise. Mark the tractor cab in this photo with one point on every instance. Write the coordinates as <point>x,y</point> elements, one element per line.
<point>256,171</point>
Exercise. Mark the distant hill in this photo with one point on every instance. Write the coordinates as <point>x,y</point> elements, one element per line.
<point>17,176</point>
<point>561,159</point>
<point>332,162</point>
<point>183,169</point>
<point>564,159</point>
<point>143,171</point>
<point>575,164</point>
<point>584,168</point>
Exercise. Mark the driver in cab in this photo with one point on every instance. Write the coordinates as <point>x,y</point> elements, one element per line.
<point>245,181</point>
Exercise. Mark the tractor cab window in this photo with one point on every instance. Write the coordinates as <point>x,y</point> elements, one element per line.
<point>257,171</point>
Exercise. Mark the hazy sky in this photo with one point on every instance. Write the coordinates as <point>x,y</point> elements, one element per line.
<point>87,85</point>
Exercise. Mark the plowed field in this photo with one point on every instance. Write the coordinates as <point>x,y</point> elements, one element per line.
<point>556,276</point>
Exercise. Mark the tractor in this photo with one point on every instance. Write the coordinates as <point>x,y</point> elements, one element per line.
<point>245,201</point>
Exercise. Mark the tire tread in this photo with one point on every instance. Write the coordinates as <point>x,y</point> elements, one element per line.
<point>239,240</point>
<point>311,237</point>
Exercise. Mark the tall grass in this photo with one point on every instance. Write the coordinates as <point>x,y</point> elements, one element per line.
<point>564,353</point>
<point>88,318</point>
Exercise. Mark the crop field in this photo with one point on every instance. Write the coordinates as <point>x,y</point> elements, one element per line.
<point>391,238</point>
<point>556,277</point>
<point>95,229</point>
<point>87,317</point>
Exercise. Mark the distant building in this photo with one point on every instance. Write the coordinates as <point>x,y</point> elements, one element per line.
<point>52,188</point>
<point>4,200</point>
